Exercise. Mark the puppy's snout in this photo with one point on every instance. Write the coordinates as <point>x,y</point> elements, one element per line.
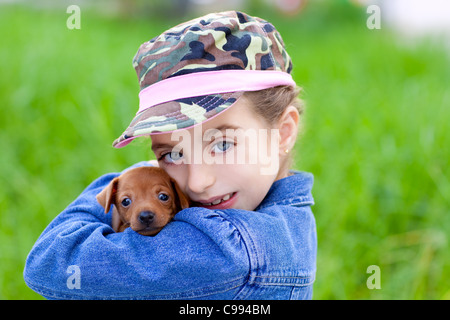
<point>146,217</point>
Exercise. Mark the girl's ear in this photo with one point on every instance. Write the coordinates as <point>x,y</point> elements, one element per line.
<point>288,129</point>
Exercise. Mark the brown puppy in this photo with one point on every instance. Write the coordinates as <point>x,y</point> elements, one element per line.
<point>144,198</point>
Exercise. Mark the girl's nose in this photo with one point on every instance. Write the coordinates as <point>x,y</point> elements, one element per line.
<point>200,178</point>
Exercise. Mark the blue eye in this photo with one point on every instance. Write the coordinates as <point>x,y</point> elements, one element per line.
<point>222,146</point>
<point>172,157</point>
<point>126,202</point>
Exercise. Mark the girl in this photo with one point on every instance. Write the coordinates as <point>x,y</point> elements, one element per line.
<point>219,103</point>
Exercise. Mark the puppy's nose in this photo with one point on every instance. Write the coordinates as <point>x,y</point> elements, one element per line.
<point>146,217</point>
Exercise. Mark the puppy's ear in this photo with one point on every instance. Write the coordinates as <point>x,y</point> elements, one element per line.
<point>182,201</point>
<point>117,223</point>
<point>107,196</point>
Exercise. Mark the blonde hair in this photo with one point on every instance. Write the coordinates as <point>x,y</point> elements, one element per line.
<point>271,103</point>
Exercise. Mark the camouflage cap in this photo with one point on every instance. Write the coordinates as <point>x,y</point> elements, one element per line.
<point>194,71</point>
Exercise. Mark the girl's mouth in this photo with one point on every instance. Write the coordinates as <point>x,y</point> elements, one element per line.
<point>223,202</point>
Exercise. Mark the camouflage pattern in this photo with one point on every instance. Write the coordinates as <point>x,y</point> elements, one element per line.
<point>219,41</point>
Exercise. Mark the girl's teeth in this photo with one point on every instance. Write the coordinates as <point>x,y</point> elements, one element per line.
<point>228,196</point>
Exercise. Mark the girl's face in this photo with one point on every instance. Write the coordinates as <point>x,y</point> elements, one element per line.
<point>230,161</point>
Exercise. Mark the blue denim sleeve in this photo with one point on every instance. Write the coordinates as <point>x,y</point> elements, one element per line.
<point>79,256</point>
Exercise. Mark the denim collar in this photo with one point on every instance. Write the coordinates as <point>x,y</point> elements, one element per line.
<point>294,190</point>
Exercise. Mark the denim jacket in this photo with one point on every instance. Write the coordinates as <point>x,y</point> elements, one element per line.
<point>269,253</point>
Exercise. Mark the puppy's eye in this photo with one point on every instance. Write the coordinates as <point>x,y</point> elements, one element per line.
<point>126,202</point>
<point>163,197</point>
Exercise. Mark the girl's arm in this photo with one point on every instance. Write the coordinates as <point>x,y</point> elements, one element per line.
<point>80,256</point>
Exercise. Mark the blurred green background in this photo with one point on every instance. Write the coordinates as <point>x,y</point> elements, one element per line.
<point>375,134</point>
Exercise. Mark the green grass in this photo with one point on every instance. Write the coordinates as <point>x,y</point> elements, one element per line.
<point>374,135</point>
